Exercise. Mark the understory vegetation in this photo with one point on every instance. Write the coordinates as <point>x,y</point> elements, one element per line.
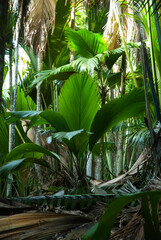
<point>80,108</point>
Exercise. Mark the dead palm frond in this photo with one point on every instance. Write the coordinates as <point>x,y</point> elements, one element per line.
<point>111,28</point>
<point>41,18</point>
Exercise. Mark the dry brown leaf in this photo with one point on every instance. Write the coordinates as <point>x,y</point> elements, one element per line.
<point>41,18</point>
<point>37,225</point>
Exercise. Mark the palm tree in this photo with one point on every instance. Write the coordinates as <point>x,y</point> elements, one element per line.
<point>41,19</point>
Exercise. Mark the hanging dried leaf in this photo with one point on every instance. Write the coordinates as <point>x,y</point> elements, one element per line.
<point>41,18</point>
<point>111,29</point>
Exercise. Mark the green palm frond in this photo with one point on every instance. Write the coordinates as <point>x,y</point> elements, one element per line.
<point>61,73</point>
<point>137,133</point>
<point>112,56</point>
<point>24,103</point>
<point>96,16</point>
<point>140,138</point>
<point>32,57</point>
<point>85,43</point>
<point>140,4</point>
<point>89,65</point>
<point>130,105</point>
<point>75,140</point>
<point>100,20</point>
<point>56,119</point>
<point>56,52</point>
<point>82,64</point>
<point>79,101</point>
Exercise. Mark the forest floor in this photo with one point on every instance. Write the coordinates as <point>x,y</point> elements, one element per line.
<point>19,221</point>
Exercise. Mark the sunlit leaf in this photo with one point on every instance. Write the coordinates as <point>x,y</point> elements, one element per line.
<point>83,64</point>
<point>79,101</point>
<point>85,43</point>
<point>24,103</point>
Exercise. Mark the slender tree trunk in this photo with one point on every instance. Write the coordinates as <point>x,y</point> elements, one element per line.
<point>38,108</point>
<point>102,138</point>
<point>73,27</point>
<point>120,133</point>
<point>3,17</point>
<point>38,97</point>
<point>13,100</point>
<point>119,155</point>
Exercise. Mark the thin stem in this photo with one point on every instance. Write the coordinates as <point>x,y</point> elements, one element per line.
<point>151,44</point>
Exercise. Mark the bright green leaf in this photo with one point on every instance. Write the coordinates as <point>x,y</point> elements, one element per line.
<point>85,43</point>
<point>79,101</point>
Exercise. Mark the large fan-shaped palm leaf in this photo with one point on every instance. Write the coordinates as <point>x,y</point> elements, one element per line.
<point>82,64</point>
<point>85,43</point>
<point>79,101</point>
<point>130,105</point>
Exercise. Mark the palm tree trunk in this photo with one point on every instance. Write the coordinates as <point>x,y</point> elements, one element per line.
<point>14,99</point>
<point>73,27</point>
<point>2,53</point>
<point>11,126</point>
<point>38,97</point>
<point>117,10</point>
<point>120,133</point>
<point>11,101</point>
<point>119,155</point>
<point>3,17</point>
<point>13,107</point>
<point>38,108</point>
